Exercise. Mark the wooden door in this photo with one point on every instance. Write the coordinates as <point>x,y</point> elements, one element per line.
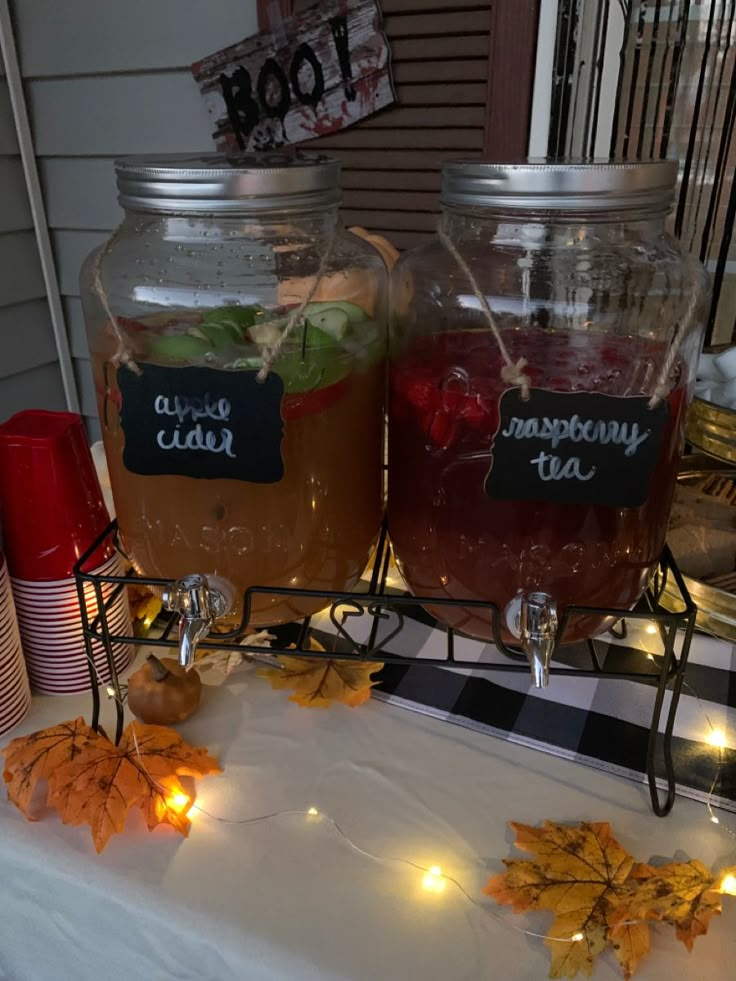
<point>464,72</point>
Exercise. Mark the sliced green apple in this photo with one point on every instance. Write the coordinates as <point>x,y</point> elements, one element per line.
<point>332,321</point>
<point>352,311</point>
<point>179,347</point>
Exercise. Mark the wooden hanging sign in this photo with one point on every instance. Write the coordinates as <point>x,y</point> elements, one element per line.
<point>328,68</point>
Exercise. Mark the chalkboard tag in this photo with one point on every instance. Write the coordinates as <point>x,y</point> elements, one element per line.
<point>202,423</point>
<point>575,448</point>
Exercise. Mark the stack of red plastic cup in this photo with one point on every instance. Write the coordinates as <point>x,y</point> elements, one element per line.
<point>15,692</point>
<point>52,511</point>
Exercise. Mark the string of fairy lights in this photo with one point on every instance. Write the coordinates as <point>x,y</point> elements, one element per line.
<point>433,878</point>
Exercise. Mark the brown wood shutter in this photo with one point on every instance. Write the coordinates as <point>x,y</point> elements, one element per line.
<point>463,71</point>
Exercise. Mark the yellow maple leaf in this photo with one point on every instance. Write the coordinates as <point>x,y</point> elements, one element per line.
<point>317,682</point>
<point>579,874</point>
<point>601,897</point>
<point>685,894</point>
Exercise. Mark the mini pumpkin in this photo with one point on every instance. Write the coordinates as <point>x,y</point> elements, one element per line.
<point>162,692</point>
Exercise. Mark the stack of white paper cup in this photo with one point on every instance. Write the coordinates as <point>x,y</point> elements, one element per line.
<point>50,623</point>
<point>15,692</point>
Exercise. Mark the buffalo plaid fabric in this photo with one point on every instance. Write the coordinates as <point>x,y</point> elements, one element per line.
<point>600,722</point>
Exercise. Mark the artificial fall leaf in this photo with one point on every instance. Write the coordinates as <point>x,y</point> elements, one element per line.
<point>317,682</point>
<point>31,760</point>
<point>601,897</point>
<point>630,942</point>
<point>144,606</point>
<point>580,874</point>
<point>684,894</point>
<point>104,782</point>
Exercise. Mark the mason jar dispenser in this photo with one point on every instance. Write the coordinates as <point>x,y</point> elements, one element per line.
<point>237,338</point>
<point>542,356</point>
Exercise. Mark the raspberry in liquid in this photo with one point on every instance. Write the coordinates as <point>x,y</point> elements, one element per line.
<point>454,542</point>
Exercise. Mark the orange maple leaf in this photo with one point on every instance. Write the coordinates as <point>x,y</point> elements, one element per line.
<point>104,782</point>
<point>685,894</point>
<point>31,760</point>
<point>579,874</point>
<point>317,682</point>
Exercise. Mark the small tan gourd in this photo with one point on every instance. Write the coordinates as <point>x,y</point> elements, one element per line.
<point>162,692</point>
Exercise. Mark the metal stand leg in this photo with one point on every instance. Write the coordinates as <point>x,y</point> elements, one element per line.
<point>671,666</point>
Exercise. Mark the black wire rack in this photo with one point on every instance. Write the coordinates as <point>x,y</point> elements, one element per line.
<point>386,614</point>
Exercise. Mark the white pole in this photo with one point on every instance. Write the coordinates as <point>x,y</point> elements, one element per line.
<point>38,209</point>
<point>543,72</point>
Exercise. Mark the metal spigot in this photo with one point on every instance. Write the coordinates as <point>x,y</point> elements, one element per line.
<point>199,603</point>
<point>538,629</point>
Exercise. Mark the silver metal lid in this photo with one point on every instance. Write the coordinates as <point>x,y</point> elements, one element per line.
<point>217,184</point>
<point>648,186</point>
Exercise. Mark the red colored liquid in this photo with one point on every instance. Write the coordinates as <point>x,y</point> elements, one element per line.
<point>452,541</point>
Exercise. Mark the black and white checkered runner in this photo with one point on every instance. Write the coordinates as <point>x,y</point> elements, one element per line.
<point>601,722</point>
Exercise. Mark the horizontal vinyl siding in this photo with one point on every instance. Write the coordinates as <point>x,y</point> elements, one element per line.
<point>39,388</point>
<point>29,373</point>
<point>88,37</point>
<point>26,339</point>
<point>8,140</point>
<point>119,114</point>
<point>15,211</point>
<point>79,193</point>
<point>106,80</point>
<point>21,277</point>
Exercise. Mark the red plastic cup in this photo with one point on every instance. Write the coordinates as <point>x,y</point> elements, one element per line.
<point>50,498</point>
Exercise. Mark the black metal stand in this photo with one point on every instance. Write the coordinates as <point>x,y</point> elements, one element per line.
<point>375,603</point>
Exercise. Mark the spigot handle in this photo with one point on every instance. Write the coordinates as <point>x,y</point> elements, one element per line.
<point>198,604</point>
<point>538,634</point>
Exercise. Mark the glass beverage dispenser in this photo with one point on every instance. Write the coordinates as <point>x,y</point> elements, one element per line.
<point>542,356</point>
<point>237,337</point>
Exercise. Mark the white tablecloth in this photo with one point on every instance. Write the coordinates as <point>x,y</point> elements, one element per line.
<point>288,898</point>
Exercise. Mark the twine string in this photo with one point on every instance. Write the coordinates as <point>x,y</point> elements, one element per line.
<point>512,371</point>
<point>122,354</point>
<point>297,314</point>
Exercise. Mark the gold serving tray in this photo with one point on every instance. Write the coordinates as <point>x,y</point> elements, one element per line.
<point>712,429</point>
<point>716,607</point>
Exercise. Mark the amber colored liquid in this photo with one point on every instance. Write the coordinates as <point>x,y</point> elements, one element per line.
<point>454,542</point>
<point>314,529</point>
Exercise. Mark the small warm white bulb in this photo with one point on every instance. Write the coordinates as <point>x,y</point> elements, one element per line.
<point>728,885</point>
<point>651,629</point>
<point>717,738</point>
<point>110,691</point>
<point>433,880</point>
<point>714,819</point>
<point>178,802</point>
<point>313,812</point>
<point>577,937</point>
